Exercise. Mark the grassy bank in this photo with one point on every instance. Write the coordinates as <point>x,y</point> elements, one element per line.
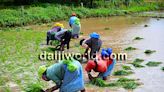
<point>45,13</point>
<point>19,59</point>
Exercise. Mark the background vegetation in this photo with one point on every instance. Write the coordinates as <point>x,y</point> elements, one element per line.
<point>21,15</point>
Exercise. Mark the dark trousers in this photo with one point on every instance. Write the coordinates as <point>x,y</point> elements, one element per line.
<point>66,40</point>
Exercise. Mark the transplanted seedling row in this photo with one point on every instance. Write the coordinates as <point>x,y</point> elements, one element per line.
<point>121,82</point>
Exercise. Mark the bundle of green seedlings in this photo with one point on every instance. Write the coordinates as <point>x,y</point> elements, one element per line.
<point>162,68</point>
<point>81,33</point>
<point>130,48</point>
<point>48,49</point>
<point>121,82</point>
<point>149,51</point>
<point>138,38</point>
<point>107,28</point>
<point>122,73</point>
<point>126,67</point>
<point>99,82</point>
<point>137,63</point>
<point>37,87</point>
<point>55,42</point>
<point>153,63</point>
<point>127,83</point>
<point>145,25</point>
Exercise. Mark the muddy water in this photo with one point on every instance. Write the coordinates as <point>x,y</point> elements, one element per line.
<point>122,30</point>
<point>120,35</point>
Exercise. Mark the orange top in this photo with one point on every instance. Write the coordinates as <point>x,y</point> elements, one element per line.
<point>102,65</point>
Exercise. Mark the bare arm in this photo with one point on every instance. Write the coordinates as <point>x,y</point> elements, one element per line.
<point>90,76</point>
<point>52,89</point>
<point>84,45</point>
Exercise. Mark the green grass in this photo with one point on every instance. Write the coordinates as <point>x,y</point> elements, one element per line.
<point>149,51</point>
<point>153,63</point>
<point>130,48</point>
<point>137,63</point>
<point>19,58</point>
<point>46,13</point>
<point>126,67</point>
<point>122,73</point>
<point>138,38</point>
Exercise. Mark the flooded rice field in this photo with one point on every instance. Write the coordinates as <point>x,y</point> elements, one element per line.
<point>119,32</point>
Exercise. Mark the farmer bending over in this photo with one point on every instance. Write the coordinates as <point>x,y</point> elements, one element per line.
<point>67,75</point>
<point>65,40</point>
<point>74,23</point>
<point>93,43</point>
<point>51,33</point>
<point>103,64</point>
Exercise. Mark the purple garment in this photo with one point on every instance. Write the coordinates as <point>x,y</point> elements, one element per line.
<point>53,30</point>
<point>60,34</point>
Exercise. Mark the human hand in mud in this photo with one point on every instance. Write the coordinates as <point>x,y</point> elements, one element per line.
<point>91,77</point>
<point>52,89</point>
<point>48,90</point>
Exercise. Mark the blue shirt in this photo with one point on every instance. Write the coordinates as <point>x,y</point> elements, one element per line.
<point>56,73</point>
<point>72,20</point>
<point>68,81</point>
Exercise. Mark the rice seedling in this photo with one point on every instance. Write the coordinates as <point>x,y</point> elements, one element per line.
<point>149,51</point>
<point>81,33</point>
<point>162,68</point>
<point>37,87</point>
<point>138,38</point>
<point>137,63</point>
<point>98,82</point>
<point>130,48</point>
<point>124,80</point>
<point>101,83</point>
<point>122,73</point>
<point>107,28</point>
<point>55,42</point>
<point>138,60</point>
<point>5,89</point>
<point>153,63</point>
<point>127,83</point>
<point>126,67</point>
<point>130,85</point>
<point>145,25</point>
<point>121,82</point>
